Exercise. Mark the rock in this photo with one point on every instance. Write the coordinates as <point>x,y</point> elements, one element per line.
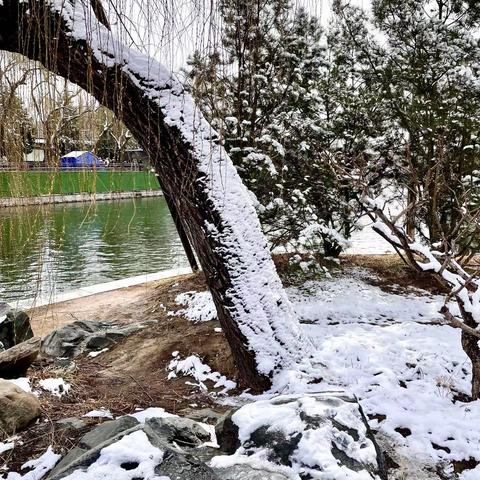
<point>182,431</point>
<point>15,328</point>
<point>281,446</point>
<point>83,336</point>
<point>227,434</point>
<point>17,408</point>
<point>203,415</point>
<point>15,361</point>
<point>103,434</point>
<point>71,423</point>
<point>176,464</point>
<point>309,433</point>
<point>245,472</point>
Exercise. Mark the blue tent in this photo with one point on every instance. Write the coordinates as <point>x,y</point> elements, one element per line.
<point>80,159</point>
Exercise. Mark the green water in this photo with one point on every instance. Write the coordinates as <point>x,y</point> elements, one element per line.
<point>47,250</point>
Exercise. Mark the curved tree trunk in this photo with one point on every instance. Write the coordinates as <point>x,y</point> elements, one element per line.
<point>194,171</point>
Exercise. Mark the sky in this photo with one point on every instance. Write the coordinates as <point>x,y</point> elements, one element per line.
<point>178,27</point>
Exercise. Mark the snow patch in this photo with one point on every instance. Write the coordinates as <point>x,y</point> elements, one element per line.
<point>39,467</point>
<point>134,448</point>
<point>152,412</point>
<point>193,366</point>
<point>102,413</point>
<point>56,386</point>
<point>99,352</point>
<point>5,447</point>
<point>200,306</point>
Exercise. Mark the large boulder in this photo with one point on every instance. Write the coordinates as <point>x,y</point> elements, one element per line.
<point>80,337</point>
<point>17,408</point>
<point>14,326</point>
<point>324,432</point>
<point>173,462</point>
<point>15,361</point>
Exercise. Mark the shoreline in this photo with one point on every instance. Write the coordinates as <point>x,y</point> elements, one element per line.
<point>46,301</point>
<point>117,301</point>
<point>76,198</point>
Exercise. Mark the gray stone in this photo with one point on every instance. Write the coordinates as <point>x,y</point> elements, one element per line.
<point>245,472</point>
<point>15,361</point>
<point>203,415</point>
<point>101,433</point>
<point>176,464</point>
<point>88,449</point>
<point>181,431</point>
<point>80,337</point>
<point>71,423</point>
<point>345,433</point>
<point>17,408</point>
<point>15,328</point>
<point>227,434</point>
<point>281,446</point>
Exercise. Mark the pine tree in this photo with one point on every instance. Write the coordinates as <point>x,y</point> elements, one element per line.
<point>424,77</point>
<point>260,89</point>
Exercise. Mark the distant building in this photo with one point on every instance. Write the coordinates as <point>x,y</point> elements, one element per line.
<point>37,155</point>
<point>80,159</point>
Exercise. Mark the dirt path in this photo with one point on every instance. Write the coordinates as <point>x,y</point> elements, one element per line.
<point>124,305</point>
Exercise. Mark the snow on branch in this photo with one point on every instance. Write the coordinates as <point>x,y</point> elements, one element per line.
<point>462,286</point>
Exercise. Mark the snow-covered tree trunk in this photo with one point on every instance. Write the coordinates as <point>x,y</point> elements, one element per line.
<point>194,170</point>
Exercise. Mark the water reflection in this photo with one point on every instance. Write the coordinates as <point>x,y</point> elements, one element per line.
<point>51,249</point>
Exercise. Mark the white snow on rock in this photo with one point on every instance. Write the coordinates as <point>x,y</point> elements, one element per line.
<point>199,306</point>
<point>312,427</point>
<point>134,448</point>
<point>152,412</point>
<point>5,447</point>
<point>102,413</point>
<point>38,467</point>
<point>256,297</point>
<point>193,366</point>
<point>56,386</point>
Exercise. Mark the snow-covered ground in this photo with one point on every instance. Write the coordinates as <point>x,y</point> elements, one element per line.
<point>389,350</point>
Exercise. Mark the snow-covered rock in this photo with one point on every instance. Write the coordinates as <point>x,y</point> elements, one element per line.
<point>317,436</point>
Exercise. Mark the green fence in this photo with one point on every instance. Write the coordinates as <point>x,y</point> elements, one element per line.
<point>34,184</point>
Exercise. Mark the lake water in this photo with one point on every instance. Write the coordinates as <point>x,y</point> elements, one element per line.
<point>49,250</point>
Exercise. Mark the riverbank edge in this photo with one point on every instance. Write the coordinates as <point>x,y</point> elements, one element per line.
<point>76,198</point>
<point>37,302</point>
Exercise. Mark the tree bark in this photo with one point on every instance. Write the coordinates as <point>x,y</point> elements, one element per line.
<point>193,169</point>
